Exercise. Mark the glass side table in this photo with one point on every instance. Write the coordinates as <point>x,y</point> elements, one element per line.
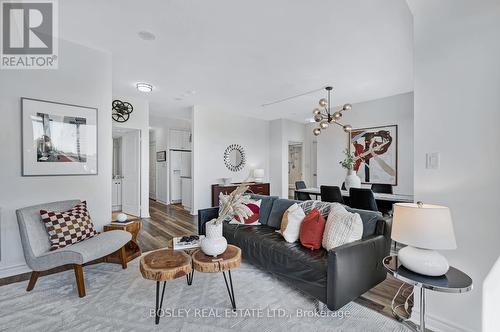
<point>454,281</point>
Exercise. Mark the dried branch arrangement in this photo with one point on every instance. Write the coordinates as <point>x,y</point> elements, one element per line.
<point>234,204</point>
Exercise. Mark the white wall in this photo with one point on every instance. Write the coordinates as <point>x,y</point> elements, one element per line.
<point>139,119</point>
<point>457,113</point>
<point>277,156</point>
<point>160,127</point>
<point>213,131</point>
<point>283,132</point>
<point>380,112</point>
<point>83,78</point>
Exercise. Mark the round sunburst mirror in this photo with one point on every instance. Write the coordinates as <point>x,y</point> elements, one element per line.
<point>234,157</point>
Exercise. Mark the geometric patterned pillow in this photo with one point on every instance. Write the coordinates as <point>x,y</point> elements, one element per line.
<point>68,227</point>
<point>322,207</point>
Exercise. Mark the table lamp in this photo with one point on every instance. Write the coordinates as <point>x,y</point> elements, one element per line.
<point>424,228</point>
<point>258,175</point>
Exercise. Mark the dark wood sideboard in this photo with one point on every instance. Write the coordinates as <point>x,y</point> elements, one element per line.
<point>254,188</point>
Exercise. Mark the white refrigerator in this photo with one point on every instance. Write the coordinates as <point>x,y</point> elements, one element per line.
<point>180,168</point>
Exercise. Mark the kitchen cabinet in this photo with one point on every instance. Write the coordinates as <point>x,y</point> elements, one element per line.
<point>186,193</point>
<point>180,139</point>
<point>186,140</point>
<point>185,164</point>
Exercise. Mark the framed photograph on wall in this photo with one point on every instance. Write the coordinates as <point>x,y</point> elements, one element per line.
<point>161,156</point>
<point>58,139</point>
<point>376,154</point>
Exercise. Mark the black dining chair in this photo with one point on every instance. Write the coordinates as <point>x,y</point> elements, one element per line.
<point>343,186</point>
<point>361,198</point>
<point>331,194</point>
<point>301,196</point>
<point>382,188</point>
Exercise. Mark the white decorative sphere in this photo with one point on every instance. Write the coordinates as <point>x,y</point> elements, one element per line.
<point>121,217</point>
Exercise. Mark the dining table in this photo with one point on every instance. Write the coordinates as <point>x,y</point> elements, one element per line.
<point>392,198</point>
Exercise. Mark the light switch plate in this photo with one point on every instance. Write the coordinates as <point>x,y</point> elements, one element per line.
<point>432,160</point>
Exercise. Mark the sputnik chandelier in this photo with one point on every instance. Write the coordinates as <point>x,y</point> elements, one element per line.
<point>324,116</point>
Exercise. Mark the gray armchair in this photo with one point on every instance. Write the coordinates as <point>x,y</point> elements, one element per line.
<point>35,241</point>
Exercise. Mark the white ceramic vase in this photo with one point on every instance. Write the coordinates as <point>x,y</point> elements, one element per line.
<point>352,180</point>
<point>214,243</point>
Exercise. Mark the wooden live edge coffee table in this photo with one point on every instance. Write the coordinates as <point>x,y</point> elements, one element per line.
<point>162,265</point>
<point>226,261</point>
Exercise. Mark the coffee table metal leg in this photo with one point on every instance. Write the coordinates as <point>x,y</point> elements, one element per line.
<point>159,302</point>
<point>230,289</point>
<point>190,277</point>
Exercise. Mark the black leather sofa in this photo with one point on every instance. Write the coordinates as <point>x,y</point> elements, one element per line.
<point>334,277</point>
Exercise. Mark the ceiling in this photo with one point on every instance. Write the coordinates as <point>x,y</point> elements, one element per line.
<point>234,55</point>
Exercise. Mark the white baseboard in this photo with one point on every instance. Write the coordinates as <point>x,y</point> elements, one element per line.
<point>14,270</point>
<point>437,324</point>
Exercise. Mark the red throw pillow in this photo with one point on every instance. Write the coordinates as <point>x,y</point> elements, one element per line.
<point>311,230</point>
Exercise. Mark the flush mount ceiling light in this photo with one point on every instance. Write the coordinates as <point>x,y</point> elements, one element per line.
<point>146,35</point>
<point>324,116</point>
<point>144,87</point>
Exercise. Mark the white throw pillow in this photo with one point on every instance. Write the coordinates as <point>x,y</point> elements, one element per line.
<point>341,227</point>
<point>290,223</point>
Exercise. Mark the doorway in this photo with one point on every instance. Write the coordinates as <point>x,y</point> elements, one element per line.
<point>295,161</point>
<point>314,164</point>
<point>126,181</point>
<point>152,170</point>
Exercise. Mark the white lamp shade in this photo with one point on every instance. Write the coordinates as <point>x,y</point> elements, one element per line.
<point>258,173</point>
<point>423,226</point>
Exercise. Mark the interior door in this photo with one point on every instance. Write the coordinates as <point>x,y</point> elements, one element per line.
<point>314,164</point>
<point>131,171</point>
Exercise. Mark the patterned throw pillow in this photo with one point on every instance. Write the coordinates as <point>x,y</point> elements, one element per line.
<point>290,223</point>
<point>68,227</point>
<point>341,227</point>
<point>322,207</point>
<point>253,220</point>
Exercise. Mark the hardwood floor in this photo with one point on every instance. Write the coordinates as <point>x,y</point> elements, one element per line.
<point>169,221</point>
<point>166,222</point>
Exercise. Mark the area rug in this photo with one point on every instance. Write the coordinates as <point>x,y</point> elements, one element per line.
<point>121,300</point>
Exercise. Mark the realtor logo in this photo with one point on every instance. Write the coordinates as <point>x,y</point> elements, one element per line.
<point>29,34</point>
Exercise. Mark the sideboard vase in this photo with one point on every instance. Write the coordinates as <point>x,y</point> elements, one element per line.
<point>352,180</point>
<point>214,243</point>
